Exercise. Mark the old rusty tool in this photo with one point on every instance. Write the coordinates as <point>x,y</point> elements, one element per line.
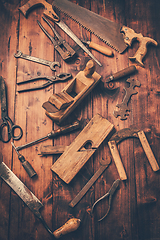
<point>108,83</point>
<point>59,43</point>
<point>50,64</point>
<point>123,107</point>
<point>32,202</point>
<point>129,133</point>
<point>60,105</point>
<point>98,173</point>
<point>53,134</point>
<point>50,80</point>
<point>119,37</point>
<point>7,125</point>
<point>106,51</point>
<point>49,13</point>
<point>82,148</point>
<point>109,194</point>
<point>27,166</point>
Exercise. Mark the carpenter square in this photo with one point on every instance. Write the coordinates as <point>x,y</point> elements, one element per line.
<point>119,37</point>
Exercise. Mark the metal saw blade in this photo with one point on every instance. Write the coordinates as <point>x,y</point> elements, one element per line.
<point>20,189</point>
<point>106,30</point>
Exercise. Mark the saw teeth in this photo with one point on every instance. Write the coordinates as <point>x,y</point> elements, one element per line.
<point>75,20</point>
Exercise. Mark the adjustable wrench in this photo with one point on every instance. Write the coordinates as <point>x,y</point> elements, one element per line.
<point>52,65</point>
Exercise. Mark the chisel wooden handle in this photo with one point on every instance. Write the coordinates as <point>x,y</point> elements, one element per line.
<point>148,151</point>
<point>70,226</point>
<point>116,157</point>
<point>100,48</point>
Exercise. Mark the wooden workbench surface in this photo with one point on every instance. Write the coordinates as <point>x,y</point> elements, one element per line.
<point>135,210</point>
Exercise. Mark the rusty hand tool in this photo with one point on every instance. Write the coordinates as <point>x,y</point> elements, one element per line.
<point>50,14</point>
<point>27,166</point>
<point>50,80</point>
<point>59,43</point>
<point>54,133</point>
<point>80,195</point>
<point>129,133</point>
<point>123,107</point>
<point>108,83</point>
<point>109,194</point>
<point>7,122</point>
<point>50,64</point>
<point>99,48</point>
<point>119,37</point>
<point>32,202</point>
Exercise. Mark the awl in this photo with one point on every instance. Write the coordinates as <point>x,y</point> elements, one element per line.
<point>33,202</point>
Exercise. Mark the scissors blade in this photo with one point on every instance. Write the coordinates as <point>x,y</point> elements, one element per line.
<point>3,91</point>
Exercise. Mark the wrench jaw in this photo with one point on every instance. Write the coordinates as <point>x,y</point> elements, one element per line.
<point>54,64</point>
<point>18,54</point>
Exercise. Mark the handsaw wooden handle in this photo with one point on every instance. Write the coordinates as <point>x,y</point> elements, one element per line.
<point>70,226</point>
<point>130,36</point>
<point>48,12</point>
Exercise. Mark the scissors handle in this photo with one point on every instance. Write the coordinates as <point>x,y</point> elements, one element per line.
<point>2,127</point>
<point>16,137</point>
<point>10,130</point>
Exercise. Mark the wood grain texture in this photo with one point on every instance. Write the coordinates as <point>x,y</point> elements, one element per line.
<point>135,207</point>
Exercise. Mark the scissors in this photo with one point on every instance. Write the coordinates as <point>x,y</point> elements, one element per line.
<point>7,122</point>
<point>109,194</point>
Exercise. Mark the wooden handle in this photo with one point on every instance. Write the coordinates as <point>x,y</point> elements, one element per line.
<point>49,150</point>
<point>126,71</point>
<point>48,12</point>
<point>130,36</point>
<point>116,157</point>
<point>70,226</point>
<point>101,49</point>
<point>148,151</point>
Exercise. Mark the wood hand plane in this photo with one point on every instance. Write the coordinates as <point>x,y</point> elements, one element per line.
<point>82,148</point>
<point>60,105</point>
<point>128,133</point>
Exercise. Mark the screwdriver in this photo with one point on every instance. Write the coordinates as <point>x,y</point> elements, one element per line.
<point>27,166</point>
<point>53,134</point>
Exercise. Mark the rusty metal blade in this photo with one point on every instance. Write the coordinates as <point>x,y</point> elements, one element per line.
<point>106,30</point>
<point>20,189</point>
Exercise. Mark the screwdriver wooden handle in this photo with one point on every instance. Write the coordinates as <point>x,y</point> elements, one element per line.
<point>70,226</point>
<point>100,48</point>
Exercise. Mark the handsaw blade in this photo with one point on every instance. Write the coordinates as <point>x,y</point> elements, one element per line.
<point>3,94</point>
<point>20,189</point>
<point>106,30</point>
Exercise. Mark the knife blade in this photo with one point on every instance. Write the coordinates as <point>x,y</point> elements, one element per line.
<point>117,36</point>
<point>32,202</point>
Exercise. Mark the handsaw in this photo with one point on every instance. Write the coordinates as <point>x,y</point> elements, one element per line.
<point>33,202</point>
<point>119,37</point>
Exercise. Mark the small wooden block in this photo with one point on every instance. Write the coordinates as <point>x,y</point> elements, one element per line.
<point>82,148</point>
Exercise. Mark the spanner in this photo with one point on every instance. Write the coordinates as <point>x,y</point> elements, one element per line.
<point>52,65</point>
<point>123,107</point>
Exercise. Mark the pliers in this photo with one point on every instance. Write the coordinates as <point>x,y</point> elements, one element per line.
<point>59,43</point>
<point>109,194</point>
<point>50,80</point>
